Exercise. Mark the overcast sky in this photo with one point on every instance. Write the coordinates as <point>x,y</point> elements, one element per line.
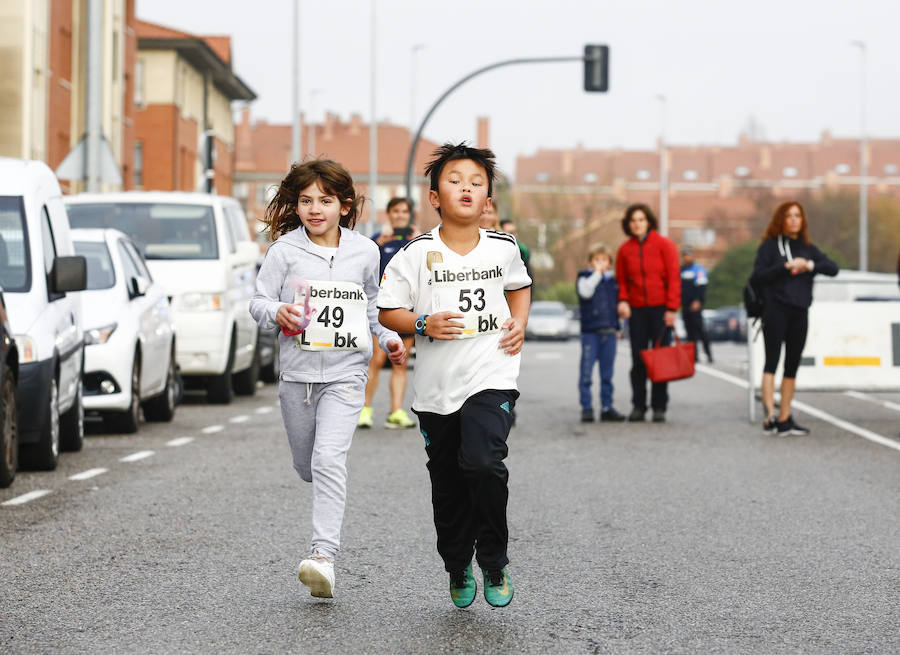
<point>787,63</point>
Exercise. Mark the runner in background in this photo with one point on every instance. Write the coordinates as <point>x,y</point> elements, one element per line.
<point>392,238</point>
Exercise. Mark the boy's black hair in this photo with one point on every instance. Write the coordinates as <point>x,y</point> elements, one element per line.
<point>448,152</point>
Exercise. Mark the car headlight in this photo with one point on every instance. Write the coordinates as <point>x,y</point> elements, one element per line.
<point>199,302</point>
<point>27,349</point>
<point>100,334</point>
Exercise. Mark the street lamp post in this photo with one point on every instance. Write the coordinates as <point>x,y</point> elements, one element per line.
<point>663,171</point>
<point>373,130</point>
<point>863,164</point>
<point>311,123</point>
<point>295,88</point>
<point>412,98</point>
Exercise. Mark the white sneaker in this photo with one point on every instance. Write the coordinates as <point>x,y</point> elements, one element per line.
<point>317,573</point>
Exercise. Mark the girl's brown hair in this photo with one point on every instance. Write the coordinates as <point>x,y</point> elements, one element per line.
<point>776,225</point>
<point>281,213</point>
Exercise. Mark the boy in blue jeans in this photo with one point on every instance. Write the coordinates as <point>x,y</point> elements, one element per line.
<point>597,297</point>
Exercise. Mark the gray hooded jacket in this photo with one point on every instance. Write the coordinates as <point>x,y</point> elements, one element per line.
<point>356,261</point>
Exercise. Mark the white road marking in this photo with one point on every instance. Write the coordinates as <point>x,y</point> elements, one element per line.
<point>550,355</point>
<point>24,498</point>
<point>134,457</point>
<point>242,418</point>
<point>809,409</point>
<point>180,441</point>
<point>263,410</point>
<point>86,475</point>
<point>878,401</point>
<point>212,429</point>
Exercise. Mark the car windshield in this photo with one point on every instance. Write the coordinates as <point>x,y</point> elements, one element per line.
<point>548,310</point>
<point>14,269</point>
<point>100,274</point>
<point>160,230</point>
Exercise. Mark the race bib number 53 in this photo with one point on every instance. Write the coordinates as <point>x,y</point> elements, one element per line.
<point>474,291</point>
<point>339,320</point>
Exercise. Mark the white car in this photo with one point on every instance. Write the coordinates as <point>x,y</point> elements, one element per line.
<point>548,319</point>
<point>38,273</point>
<point>199,248</point>
<point>129,334</point>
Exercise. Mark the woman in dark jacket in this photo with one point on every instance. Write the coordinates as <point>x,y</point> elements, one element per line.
<point>786,263</point>
<point>649,277</point>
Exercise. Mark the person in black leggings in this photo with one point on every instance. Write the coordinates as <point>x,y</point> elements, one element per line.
<point>785,265</point>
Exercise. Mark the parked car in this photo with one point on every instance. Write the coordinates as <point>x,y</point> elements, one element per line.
<point>548,319</point>
<point>9,408</point>
<point>726,324</point>
<point>38,272</point>
<point>199,248</point>
<point>129,334</point>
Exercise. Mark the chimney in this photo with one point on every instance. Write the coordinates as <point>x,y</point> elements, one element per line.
<point>355,125</point>
<point>328,131</point>
<point>483,140</point>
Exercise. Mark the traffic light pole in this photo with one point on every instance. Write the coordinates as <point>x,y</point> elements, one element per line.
<point>499,64</point>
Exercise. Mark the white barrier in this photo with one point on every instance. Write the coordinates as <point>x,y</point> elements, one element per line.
<point>851,345</point>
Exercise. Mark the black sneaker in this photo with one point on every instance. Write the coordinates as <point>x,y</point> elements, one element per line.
<point>637,415</point>
<point>587,416</point>
<point>659,416</point>
<point>611,415</point>
<point>788,427</point>
<point>770,425</point>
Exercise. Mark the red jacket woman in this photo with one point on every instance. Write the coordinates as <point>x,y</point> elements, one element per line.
<point>649,277</point>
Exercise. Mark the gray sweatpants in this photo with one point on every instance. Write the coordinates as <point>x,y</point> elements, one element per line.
<point>320,419</point>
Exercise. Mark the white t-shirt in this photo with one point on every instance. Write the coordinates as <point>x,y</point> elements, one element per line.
<point>426,277</point>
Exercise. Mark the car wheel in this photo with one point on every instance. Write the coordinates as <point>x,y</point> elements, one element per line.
<point>71,425</point>
<point>162,407</point>
<point>270,372</point>
<point>44,455</point>
<point>9,431</point>
<point>245,381</point>
<point>127,422</point>
<point>220,390</point>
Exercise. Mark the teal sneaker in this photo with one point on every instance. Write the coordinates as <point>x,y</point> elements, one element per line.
<point>463,588</point>
<point>498,588</point>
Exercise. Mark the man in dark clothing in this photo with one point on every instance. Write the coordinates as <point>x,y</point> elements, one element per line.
<point>693,296</point>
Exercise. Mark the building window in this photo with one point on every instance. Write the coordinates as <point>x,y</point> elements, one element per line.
<point>742,171</point>
<point>590,178</point>
<point>789,171</point>
<point>542,177</point>
<point>691,175</point>
<point>890,169</point>
<point>139,83</point>
<point>642,174</point>
<point>699,237</point>
<point>842,169</point>
<point>240,190</point>
<point>138,164</point>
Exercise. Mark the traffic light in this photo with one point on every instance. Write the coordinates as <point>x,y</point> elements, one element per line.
<point>596,68</point>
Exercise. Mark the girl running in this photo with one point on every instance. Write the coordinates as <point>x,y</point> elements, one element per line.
<point>318,282</point>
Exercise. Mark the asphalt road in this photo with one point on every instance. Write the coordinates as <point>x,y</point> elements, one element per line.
<point>699,535</point>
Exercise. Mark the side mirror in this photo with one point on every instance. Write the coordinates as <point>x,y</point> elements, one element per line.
<point>137,286</point>
<point>68,274</point>
<point>247,251</point>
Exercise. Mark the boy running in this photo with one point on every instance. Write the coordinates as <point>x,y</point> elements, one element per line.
<point>465,293</point>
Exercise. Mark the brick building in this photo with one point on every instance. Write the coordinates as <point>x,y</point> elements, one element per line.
<point>184,85</point>
<point>43,85</point>
<point>263,156</point>
<point>580,193</point>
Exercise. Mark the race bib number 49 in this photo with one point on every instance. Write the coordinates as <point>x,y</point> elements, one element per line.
<point>474,291</point>
<point>339,320</point>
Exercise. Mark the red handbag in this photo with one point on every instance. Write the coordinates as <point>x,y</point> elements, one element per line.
<point>667,363</point>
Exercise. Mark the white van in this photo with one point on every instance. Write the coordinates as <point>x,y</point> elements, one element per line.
<point>199,248</point>
<point>38,272</point>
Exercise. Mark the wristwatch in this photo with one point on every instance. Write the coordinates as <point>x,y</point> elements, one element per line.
<point>421,324</point>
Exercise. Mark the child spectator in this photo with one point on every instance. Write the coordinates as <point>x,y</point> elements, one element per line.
<point>597,297</point>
